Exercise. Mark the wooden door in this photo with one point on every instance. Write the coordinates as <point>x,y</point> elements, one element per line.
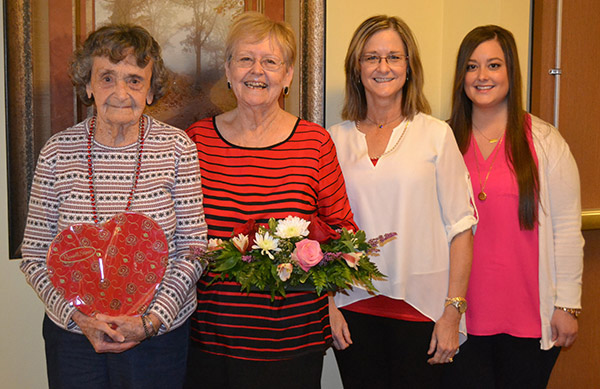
<point>579,124</point>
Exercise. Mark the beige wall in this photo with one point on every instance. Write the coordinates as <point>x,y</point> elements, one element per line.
<point>439,26</point>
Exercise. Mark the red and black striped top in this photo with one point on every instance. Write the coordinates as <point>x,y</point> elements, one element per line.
<point>299,176</point>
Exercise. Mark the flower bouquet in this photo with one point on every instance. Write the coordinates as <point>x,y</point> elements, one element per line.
<point>292,254</point>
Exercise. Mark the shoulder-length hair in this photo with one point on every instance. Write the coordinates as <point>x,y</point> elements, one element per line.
<point>413,98</point>
<point>517,146</point>
<point>117,41</point>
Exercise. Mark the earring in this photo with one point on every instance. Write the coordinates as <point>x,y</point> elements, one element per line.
<point>286,90</point>
<point>228,85</point>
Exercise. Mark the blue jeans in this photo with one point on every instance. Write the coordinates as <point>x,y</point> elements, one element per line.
<point>158,362</point>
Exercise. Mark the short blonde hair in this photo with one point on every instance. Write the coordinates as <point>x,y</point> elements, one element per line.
<point>413,98</point>
<point>255,27</point>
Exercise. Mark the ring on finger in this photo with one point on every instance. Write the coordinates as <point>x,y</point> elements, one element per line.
<point>450,359</point>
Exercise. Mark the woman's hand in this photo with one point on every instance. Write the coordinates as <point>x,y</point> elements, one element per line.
<point>444,339</point>
<point>339,327</point>
<point>102,337</point>
<point>131,327</point>
<point>564,328</point>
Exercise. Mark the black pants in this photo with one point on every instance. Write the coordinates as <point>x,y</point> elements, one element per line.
<point>500,361</point>
<point>387,353</point>
<point>208,371</point>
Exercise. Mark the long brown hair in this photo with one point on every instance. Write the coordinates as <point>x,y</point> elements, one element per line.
<point>413,98</point>
<point>517,147</point>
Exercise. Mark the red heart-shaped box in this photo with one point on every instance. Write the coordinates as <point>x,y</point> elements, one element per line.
<point>114,268</point>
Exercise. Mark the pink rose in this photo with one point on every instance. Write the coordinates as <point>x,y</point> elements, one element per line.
<point>352,259</point>
<point>307,253</point>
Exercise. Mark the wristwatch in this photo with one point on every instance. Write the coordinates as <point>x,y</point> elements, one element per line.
<point>457,302</point>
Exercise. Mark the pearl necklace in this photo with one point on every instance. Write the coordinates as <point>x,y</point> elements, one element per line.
<point>90,144</point>
<point>397,142</point>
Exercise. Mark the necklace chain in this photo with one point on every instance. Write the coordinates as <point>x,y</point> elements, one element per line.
<point>384,123</point>
<point>482,195</point>
<point>490,140</point>
<point>90,145</point>
<point>397,142</point>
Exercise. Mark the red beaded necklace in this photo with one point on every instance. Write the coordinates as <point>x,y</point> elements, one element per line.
<point>138,165</point>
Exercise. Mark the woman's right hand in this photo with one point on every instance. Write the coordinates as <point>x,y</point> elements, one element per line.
<point>339,327</point>
<point>103,338</point>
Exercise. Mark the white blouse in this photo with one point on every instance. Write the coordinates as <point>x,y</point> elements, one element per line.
<point>419,189</point>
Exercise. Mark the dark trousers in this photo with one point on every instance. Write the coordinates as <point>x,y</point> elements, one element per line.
<point>158,362</point>
<point>208,371</point>
<point>387,353</point>
<point>500,361</point>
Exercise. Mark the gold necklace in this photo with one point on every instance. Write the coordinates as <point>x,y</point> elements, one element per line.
<point>482,195</point>
<point>490,140</point>
<point>397,142</point>
<point>384,123</point>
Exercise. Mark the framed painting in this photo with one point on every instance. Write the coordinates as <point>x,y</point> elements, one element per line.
<point>41,38</point>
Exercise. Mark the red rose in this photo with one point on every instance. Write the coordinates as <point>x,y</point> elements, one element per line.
<point>249,229</point>
<point>319,230</point>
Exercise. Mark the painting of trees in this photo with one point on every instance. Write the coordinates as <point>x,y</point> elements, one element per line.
<point>192,35</point>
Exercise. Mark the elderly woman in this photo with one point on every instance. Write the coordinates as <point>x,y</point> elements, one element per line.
<point>526,295</point>
<point>258,161</point>
<point>118,160</point>
<point>404,173</point>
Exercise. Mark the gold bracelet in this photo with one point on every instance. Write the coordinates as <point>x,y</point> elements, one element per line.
<point>573,311</point>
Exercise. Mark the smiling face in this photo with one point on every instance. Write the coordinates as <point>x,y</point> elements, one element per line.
<point>486,80</point>
<point>120,90</point>
<point>383,80</point>
<point>255,86</point>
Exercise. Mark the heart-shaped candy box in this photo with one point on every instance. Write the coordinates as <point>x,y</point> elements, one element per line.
<point>114,268</point>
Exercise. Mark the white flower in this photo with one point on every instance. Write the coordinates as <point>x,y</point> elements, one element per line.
<point>284,271</point>
<point>266,243</point>
<point>291,227</point>
<point>240,242</point>
<point>214,244</point>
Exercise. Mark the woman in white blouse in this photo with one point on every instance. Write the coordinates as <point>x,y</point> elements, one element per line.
<point>404,173</point>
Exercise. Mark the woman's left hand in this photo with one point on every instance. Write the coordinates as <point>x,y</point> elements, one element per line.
<point>444,339</point>
<point>564,328</point>
<point>131,327</point>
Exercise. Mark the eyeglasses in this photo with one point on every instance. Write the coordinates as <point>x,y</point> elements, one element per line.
<point>392,59</point>
<point>267,63</point>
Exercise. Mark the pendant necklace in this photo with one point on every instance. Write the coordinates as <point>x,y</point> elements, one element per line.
<point>397,142</point>
<point>380,125</point>
<point>482,195</point>
<point>490,140</point>
<point>90,144</point>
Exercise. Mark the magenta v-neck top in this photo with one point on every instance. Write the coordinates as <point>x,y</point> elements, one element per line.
<point>503,292</point>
